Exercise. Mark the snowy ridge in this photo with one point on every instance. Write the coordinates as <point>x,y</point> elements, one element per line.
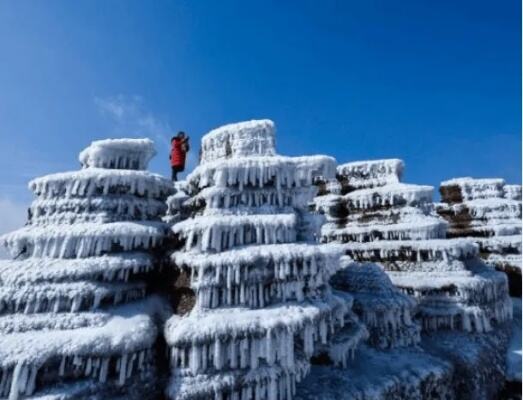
<point>74,317</point>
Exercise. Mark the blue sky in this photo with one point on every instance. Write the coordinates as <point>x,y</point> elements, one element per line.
<point>437,83</point>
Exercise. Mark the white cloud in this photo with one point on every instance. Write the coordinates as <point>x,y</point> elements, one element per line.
<point>130,117</point>
<point>13,215</point>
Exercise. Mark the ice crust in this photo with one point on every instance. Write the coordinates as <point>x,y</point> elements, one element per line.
<point>489,212</point>
<point>394,225</point>
<point>75,321</point>
<point>263,304</point>
<point>118,154</point>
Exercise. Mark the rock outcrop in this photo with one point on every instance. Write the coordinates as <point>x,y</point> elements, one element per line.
<point>75,318</point>
<point>489,211</point>
<point>262,303</point>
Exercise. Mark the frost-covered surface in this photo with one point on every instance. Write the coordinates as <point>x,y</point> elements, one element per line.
<point>386,311</point>
<point>244,139</point>
<point>399,374</point>
<point>403,274</point>
<point>366,174</point>
<point>514,349</point>
<point>118,154</point>
<point>394,224</point>
<point>75,321</point>
<point>489,211</point>
<point>262,303</point>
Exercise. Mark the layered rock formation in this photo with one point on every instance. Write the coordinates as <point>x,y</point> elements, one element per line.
<point>75,318</point>
<point>489,211</point>
<point>383,220</point>
<point>403,272</point>
<point>262,304</point>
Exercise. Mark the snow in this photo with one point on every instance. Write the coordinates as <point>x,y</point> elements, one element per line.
<point>94,209</point>
<point>389,195</point>
<point>277,171</point>
<point>386,312</point>
<point>415,229</point>
<point>102,182</point>
<point>118,154</point>
<point>470,189</point>
<point>489,211</point>
<point>83,240</point>
<point>421,250</point>
<point>219,233</point>
<point>392,224</point>
<point>409,374</point>
<point>513,192</point>
<point>373,173</point>
<point>263,305</point>
<point>74,317</point>
<point>244,139</point>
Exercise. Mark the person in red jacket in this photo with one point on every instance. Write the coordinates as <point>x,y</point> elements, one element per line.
<point>179,149</point>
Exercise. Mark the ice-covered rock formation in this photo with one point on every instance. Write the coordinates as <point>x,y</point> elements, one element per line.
<point>380,219</point>
<point>262,304</point>
<point>75,321</point>
<point>391,236</point>
<point>489,211</point>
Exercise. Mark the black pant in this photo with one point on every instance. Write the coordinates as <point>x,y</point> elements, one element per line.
<point>175,171</point>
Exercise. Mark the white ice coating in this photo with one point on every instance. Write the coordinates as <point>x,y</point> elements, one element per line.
<point>71,303</point>
<point>373,173</point>
<point>489,211</point>
<point>274,171</point>
<point>99,209</point>
<point>83,240</point>
<point>389,195</point>
<point>412,229</point>
<point>219,233</point>
<point>263,303</point>
<point>256,276</point>
<point>386,312</point>
<point>512,192</point>
<point>394,225</point>
<point>244,139</point>
<point>471,189</point>
<point>118,154</point>
<point>101,182</point>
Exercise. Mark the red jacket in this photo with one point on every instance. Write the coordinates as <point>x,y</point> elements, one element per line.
<point>178,152</point>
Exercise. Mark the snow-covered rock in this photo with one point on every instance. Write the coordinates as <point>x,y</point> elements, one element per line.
<point>75,321</point>
<point>262,306</point>
<point>404,273</point>
<point>489,211</point>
